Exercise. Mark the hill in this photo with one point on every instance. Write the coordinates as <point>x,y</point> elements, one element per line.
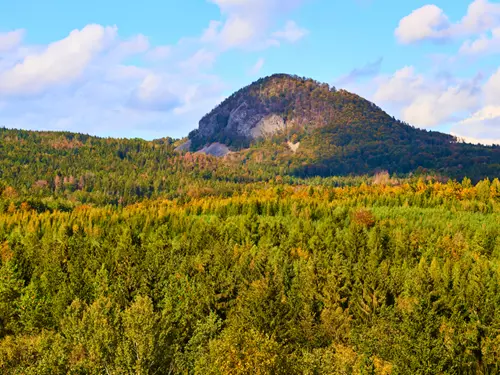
<point>323,131</point>
<point>278,279</point>
<point>123,256</point>
<point>48,170</point>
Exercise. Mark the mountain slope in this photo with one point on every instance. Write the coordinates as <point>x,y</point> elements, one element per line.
<point>332,132</point>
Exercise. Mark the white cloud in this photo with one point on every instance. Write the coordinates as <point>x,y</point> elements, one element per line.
<point>237,31</point>
<point>11,39</point>
<point>402,87</point>
<point>257,67</point>
<point>481,16</point>
<point>469,105</point>
<point>211,33</point>
<point>201,59</point>
<point>60,63</point>
<point>431,23</point>
<point>136,45</point>
<point>120,73</point>
<point>484,124</point>
<point>434,108</point>
<point>291,33</point>
<point>492,89</point>
<point>484,114</point>
<point>135,103</point>
<point>480,141</point>
<point>246,24</point>
<point>154,94</point>
<point>159,53</point>
<point>482,127</point>
<point>427,22</point>
<point>426,102</point>
<point>84,83</point>
<point>485,43</point>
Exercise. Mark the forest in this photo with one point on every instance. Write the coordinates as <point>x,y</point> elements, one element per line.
<point>339,133</point>
<point>124,257</point>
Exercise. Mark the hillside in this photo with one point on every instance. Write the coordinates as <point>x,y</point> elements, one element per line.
<point>332,133</point>
<point>123,256</point>
<point>277,279</point>
<point>50,170</point>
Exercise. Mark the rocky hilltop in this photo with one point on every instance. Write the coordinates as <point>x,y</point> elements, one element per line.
<point>308,128</point>
<point>272,105</point>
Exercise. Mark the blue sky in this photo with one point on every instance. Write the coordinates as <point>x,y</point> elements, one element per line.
<point>152,68</point>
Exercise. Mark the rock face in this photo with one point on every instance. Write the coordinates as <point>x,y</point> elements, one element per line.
<point>245,121</point>
<point>264,108</point>
<point>267,126</point>
<point>285,106</point>
<point>215,149</point>
<point>186,146</point>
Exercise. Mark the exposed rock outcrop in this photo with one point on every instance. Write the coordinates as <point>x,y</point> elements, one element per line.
<point>186,146</point>
<point>267,126</point>
<point>262,109</point>
<point>242,121</point>
<point>215,149</point>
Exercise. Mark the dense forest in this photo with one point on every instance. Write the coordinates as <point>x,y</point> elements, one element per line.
<point>340,133</point>
<point>124,257</point>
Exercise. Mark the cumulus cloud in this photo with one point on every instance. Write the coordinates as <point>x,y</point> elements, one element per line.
<point>428,102</point>
<point>124,73</point>
<point>159,53</point>
<point>211,33</point>
<point>87,81</point>
<point>482,127</point>
<point>11,39</point>
<point>60,63</point>
<point>247,23</point>
<point>138,102</point>
<point>201,59</point>
<point>471,106</point>
<point>291,32</point>
<point>434,108</point>
<point>484,124</point>
<point>83,83</point>
<point>492,89</point>
<point>402,87</point>
<point>237,31</point>
<point>427,22</point>
<point>431,23</point>
<point>136,45</point>
<point>482,15</point>
<point>485,43</point>
<point>154,94</point>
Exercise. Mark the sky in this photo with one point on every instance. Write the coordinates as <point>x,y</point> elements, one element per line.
<point>153,68</point>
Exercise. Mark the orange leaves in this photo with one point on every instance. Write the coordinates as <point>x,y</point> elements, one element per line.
<point>363,218</point>
<point>25,206</point>
<point>12,208</point>
<point>6,253</point>
<point>65,144</point>
<point>300,253</point>
<point>9,193</point>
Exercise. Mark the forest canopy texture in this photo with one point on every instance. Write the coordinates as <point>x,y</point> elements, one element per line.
<point>126,257</point>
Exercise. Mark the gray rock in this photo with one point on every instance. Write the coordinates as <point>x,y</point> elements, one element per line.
<point>215,149</point>
<point>242,120</point>
<point>267,126</point>
<point>186,146</point>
